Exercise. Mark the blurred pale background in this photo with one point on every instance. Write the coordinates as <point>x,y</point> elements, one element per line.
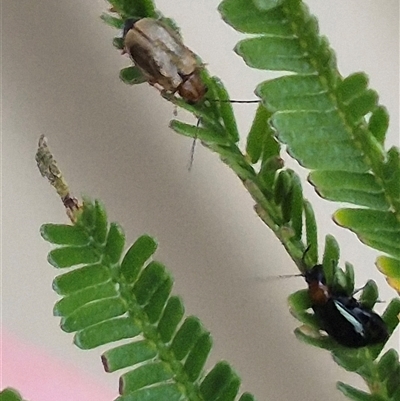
<point>60,78</point>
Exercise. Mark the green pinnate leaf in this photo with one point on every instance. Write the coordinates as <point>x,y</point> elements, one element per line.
<point>144,375</point>
<point>271,149</point>
<point>131,75</point>
<point>391,314</point>
<point>118,43</point>
<point>391,268</point>
<point>349,273</point>
<point>101,223</point>
<point>311,233</point>
<point>380,230</point>
<point>286,207</point>
<point>171,23</point>
<point>393,385</point>
<point>81,278</point>
<point>300,128</point>
<point>87,218</point>
<point>363,220</point>
<point>115,243</point>
<point>137,255</point>
<point>339,281</point>
<point>197,357</point>
<point>297,206</point>
<point>303,51</point>
<point>235,161</point>
<point>247,397</point>
<point>360,189</point>
<point>357,395</point>
<point>299,303</point>
<point>308,319</point>
<point>388,363</point>
<point>166,391</point>
<point>331,258</point>
<point>149,281</point>
<point>315,106</point>
<point>392,175</point>
<point>299,300</point>
<point>244,16</point>
<point>114,22</point>
<point>170,319</point>
<point>369,295</point>
<point>205,135</point>
<point>274,53</point>
<point>72,255</point>
<point>186,337</point>
<point>158,300</point>
<point>93,313</point>
<point>378,123</point>
<point>107,302</point>
<point>75,300</point>
<point>312,337</point>
<point>283,186</point>
<point>10,394</point>
<point>226,111</point>
<point>128,355</point>
<point>62,234</point>
<point>363,104</point>
<point>350,359</point>
<point>134,8</point>
<point>217,384</point>
<point>295,92</point>
<point>268,173</point>
<point>352,86</point>
<point>230,391</point>
<point>258,132</point>
<point>106,332</point>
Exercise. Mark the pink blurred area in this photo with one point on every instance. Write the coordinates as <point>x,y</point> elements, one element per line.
<point>40,377</point>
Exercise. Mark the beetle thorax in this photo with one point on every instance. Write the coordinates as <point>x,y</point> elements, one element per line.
<point>192,89</point>
<point>318,292</point>
<point>317,289</point>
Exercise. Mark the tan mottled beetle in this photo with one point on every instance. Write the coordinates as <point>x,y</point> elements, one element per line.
<point>157,50</point>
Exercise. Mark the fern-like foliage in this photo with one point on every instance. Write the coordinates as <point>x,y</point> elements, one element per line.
<point>126,300</point>
<point>315,106</point>
<point>306,110</point>
<point>10,394</point>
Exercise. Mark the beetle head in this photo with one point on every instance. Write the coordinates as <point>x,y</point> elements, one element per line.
<point>316,274</point>
<point>192,89</point>
<point>128,25</point>
<point>317,289</point>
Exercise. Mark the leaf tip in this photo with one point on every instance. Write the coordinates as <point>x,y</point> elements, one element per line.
<point>53,262</point>
<point>121,385</point>
<point>78,341</point>
<point>56,311</point>
<point>104,361</point>
<point>43,231</point>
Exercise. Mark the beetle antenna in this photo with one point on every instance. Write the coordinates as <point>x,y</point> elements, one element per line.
<point>232,101</point>
<point>303,258</point>
<point>274,278</point>
<point>193,147</point>
<point>290,275</point>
